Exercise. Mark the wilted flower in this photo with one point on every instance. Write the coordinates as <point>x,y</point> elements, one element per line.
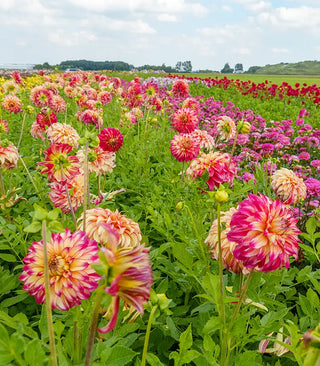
<point>226,128</point>
<point>70,274</point>
<point>185,120</point>
<point>96,228</point>
<point>288,186</point>
<point>12,104</point>
<point>63,133</point>
<point>59,166</point>
<point>277,349</point>
<point>111,139</point>
<point>265,232</point>
<point>8,155</point>
<point>184,147</point>
<point>227,247</point>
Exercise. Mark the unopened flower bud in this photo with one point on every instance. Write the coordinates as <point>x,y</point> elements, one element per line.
<point>179,205</point>
<point>244,127</point>
<point>221,196</point>
<point>29,109</point>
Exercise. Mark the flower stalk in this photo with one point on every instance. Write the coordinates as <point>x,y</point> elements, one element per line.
<point>146,340</point>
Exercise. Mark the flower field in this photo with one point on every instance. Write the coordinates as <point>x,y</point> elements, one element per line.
<point>158,220</point>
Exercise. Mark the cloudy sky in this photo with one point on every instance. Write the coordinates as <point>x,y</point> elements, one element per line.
<point>208,33</point>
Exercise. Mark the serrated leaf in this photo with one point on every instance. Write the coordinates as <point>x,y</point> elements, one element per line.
<point>34,353</point>
<point>189,356</point>
<point>120,356</point>
<point>311,225</point>
<point>153,360</point>
<point>185,340</point>
<point>39,213</point>
<point>34,227</point>
<point>5,349</point>
<point>56,227</point>
<point>212,325</point>
<point>53,215</point>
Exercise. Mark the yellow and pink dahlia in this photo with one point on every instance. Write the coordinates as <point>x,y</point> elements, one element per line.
<point>185,120</point>
<point>227,247</point>
<point>57,104</point>
<point>288,186</point>
<point>99,220</point>
<point>99,161</point>
<point>63,133</point>
<point>12,104</point>
<point>71,276</point>
<point>40,96</point>
<point>218,167</point>
<point>205,140</point>
<point>60,166</point>
<point>8,155</point>
<point>184,147</point>
<point>265,232</point>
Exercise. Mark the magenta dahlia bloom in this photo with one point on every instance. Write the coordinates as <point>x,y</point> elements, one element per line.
<point>180,88</point>
<point>111,139</point>
<point>184,147</point>
<point>313,187</point>
<point>71,276</point>
<point>265,232</point>
<point>185,120</point>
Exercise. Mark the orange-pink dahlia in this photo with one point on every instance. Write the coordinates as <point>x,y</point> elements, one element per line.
<point>206,141</point>
<point>265,232</point>
<point>185,120</point>
<point>63,133</point>
<point>99,220</point>
<point>184,147</point>
<point>8,155</point>
<point>12,104</point>
<point>71,276</point>
<point>60,166</point>
<point>57,104</point>
<point>227,247</point>
<point>288,186</point>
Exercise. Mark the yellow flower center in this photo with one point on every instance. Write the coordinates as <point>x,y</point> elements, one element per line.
<point>58,265</point>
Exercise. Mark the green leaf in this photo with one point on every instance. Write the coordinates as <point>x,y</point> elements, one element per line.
<point>34,227</point>
<point>153,360</point>
<point>53,215</point>
<point>311,225</point>
<point>212,325</point>
<point>8,257</point>
<point>56,227</point>
<point>185,339</point>
<point>120,356</point>
<point>34,353</point>
<point>172,328</point>
<point>13,300</point>
<point>39,213</point>
<point>189,356</point>
<point>181,253</point>
<point>6,355</point>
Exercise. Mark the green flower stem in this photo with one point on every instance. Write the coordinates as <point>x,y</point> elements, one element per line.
<point>21,133</point>
<point>223,331</point>
<point>85,188</point>
<point>233,147</point>
<point>93,325</point>
<point>68,198</point>
<point>146,340</point>
<point>182,173</point>
<point>53,354</point>
<point>98,185</point>
<point>2,189</point>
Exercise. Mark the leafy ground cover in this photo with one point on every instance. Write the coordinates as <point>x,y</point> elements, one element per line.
<point>179,217</point>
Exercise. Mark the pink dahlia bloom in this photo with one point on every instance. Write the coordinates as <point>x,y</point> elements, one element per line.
<point>313,187</point>
<point>46,118</point>
<point>57,104</point>
<point>105,97</point>
<point>130,279</point>
<point>185,120</point>
<point>226,128</point>
<point>265,232</point>
<point>191,103</point>
<point>217,166</point>
<point>58,194</point>
<point>37,131</point>
<point>227,247</point>
<point>4,125</point>
<point>8,155</point>
<point>180,88</point>
<point>40,96</point>
<point>12,104</point>
<point>111,139</point>
<point>92,116</point>
<point>63,133</point>
<point>100,161</point>
<point>71,276</point>
<point>60,166</point>
<point>205,140</point>
<point>288,186</point>
<point>184,147</point>
<point>99,220</point>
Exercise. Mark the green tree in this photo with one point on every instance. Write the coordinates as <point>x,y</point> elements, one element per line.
<point>227,69</point>
<point>238,68</point>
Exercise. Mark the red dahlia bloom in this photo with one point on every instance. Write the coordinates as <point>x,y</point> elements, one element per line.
<point>185,120</point>
<point>111,139</point>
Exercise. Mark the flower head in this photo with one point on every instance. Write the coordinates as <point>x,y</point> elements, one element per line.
<point>185,120</point>
<point>12,104</point>
<point>111,139</point>
<point>58,164</point>
<point>57,104</point>
<point>265,232</point>
<point>63,133</point>
<point>226,128</point>
<point>288,186</point>
<point>227,247</point>
<point>40,96</point>
<point>206,141</point>
<point>46,118</point>
<point>313,187</point>
<point>99,220</point>
<point>4,125</point>
<point>180,88</point>
<point>70,275</point>
<point>184,147</point>
<point>99,161</point>
<point>8,155</point>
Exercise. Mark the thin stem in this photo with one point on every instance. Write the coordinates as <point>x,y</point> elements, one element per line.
<point>47,296</point>
<point>21,133</point>
<point>93,326</point>
<point>182,173</point>
<point>146,340</point>
<point>233,147</point>
<point>99,185</point>
<point>2,189</point>
<point>85,188</point>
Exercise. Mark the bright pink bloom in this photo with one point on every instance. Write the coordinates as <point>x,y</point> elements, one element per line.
<point>71,276</point>
<point>46,118</point>
<point>205,140</point>
<point>180,88</point>
<point>12,104</point>
<point>40,96</point>
<point>57,104</point>
<point>185,120</point>
<point>313,187</point>
<point>184,147</point>
<point>111,139</point>
<point>265,232</point>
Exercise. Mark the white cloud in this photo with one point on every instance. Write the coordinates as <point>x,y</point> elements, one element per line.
<point>254,5</point>
<point>243,51</point>
<point>165,17</point>
<point>280,50</point>
<point>226,8</point>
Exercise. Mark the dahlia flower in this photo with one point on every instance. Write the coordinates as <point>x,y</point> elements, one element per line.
<point>288,186</point>
<point>99,161</point>
<point>59,166</point>
<point>205,140</point>
<point>10,87</point>
<point>46,118</point>
<point>111,139</point>
<point>4,125</point>
<point>192,104</point>
<point>217,166</point>
<point>313,187</point>
<point>105,97</point>
<point>57,104</point>
<point>226,128</point>
<point>37,131</point>
<point>40,96</point>
<point>58,194</point>
<point>185,120</point>
<point>265,232</point>
<point>98,221</point>
<point>62,133</point>
<point>130,278</point>
<point>184,147</point>
<point>70,274</point>
<point>92,116</point>
<point>11,103</point>
<point>180,88</point>
<point>227,247</point>
<point>8,155</point>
